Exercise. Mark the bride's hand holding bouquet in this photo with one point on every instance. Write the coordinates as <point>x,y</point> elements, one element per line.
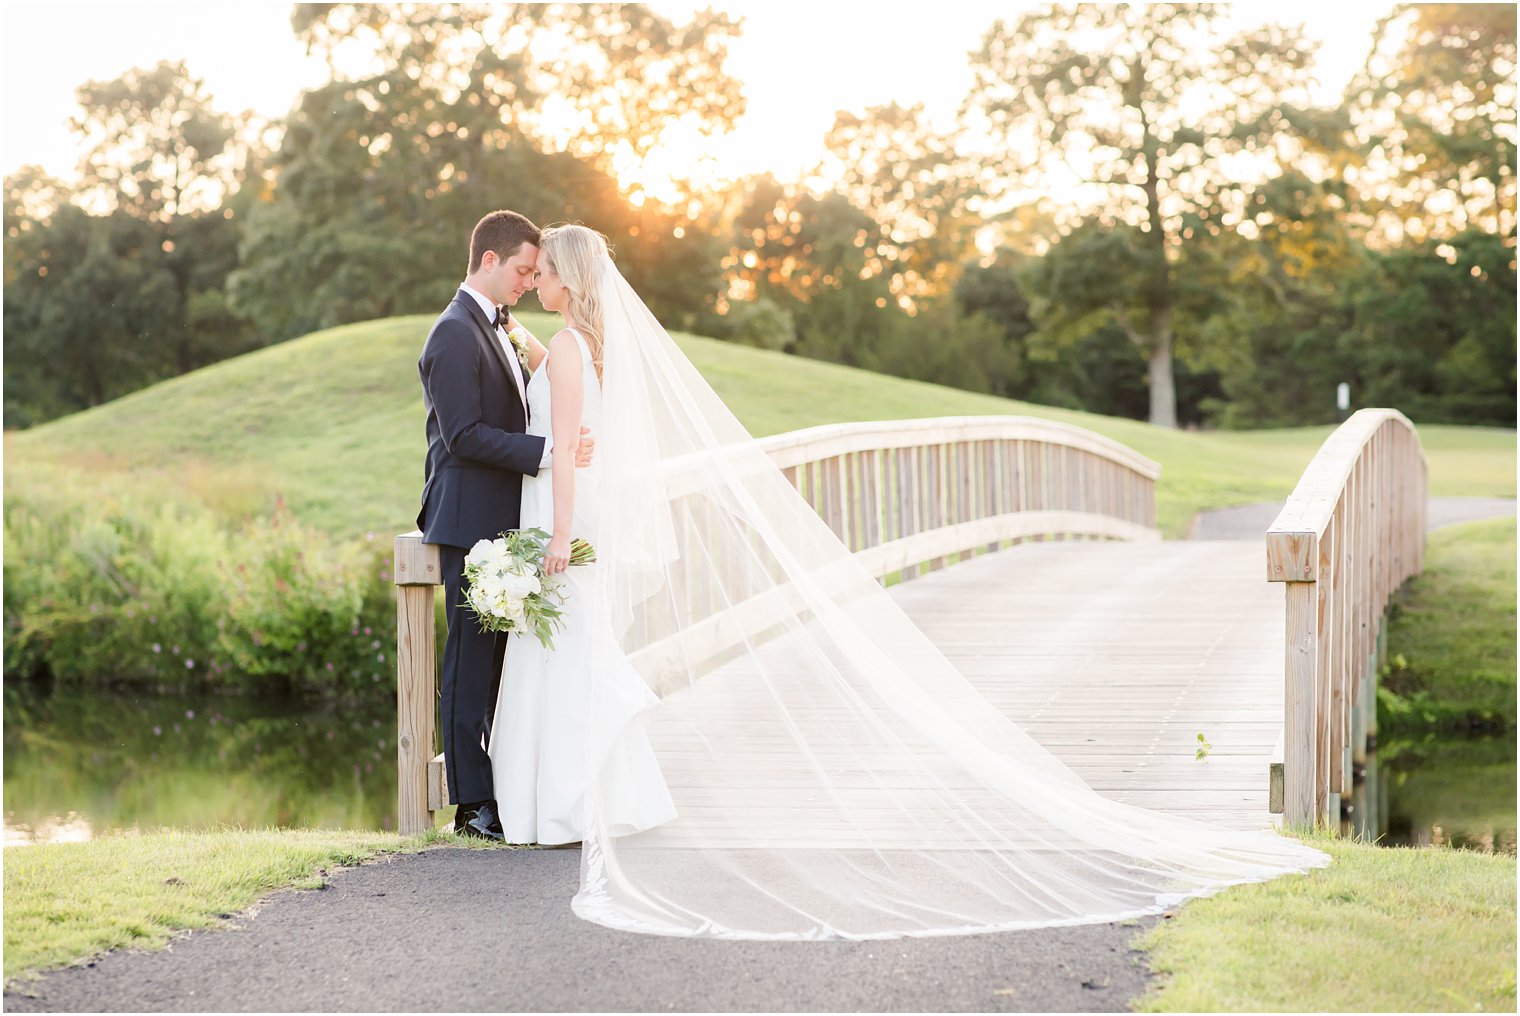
<point>513,583</point>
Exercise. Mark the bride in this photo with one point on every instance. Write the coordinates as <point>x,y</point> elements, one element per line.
<point>747,734</point>
<point>539,758</point>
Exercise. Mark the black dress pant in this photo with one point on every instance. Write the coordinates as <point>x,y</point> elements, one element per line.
<point>469,684</point>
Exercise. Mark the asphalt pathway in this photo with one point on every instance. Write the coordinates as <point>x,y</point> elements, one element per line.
<point>1250,521</point>
<point>455,929</point>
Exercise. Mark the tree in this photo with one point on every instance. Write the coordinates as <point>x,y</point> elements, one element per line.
<point>602,81</point>
<point>1141,106</point>
<point>99,304</point>
<point>1433,115</point>
<point>993,291</point>
<point>914,183</point>
<point>156,149</point>
<point>380,177</point>
<point>83,296</point>
<point>1435,336</point>
<point>815,257</point>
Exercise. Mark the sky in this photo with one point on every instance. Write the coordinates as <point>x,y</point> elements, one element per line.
<point>800,62</point>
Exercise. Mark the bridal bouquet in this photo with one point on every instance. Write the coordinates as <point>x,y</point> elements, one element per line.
<point>509,591</point>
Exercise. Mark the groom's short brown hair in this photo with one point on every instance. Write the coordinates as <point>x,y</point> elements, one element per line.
<point>503,232</point>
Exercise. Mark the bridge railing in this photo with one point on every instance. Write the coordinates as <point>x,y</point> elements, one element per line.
<point>904,495</point>
<point>1350,534</point>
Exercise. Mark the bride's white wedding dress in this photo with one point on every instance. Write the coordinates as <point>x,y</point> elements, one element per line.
<point>546,735</point>
<point>832,775</point>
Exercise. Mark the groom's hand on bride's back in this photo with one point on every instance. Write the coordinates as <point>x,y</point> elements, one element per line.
<point>585,449</point>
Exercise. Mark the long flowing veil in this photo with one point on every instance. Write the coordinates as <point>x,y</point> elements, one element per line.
<point>833,775</point>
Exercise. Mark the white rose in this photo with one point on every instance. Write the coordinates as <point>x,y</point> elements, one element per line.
<point>483,553</point>
<point>490,586</point>
<point>520,586</point>
<point>512,609</point>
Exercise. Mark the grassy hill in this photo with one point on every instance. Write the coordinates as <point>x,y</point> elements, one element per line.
<point>333,423</point>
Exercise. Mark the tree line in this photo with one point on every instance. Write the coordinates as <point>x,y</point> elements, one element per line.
<point>1139,211</point>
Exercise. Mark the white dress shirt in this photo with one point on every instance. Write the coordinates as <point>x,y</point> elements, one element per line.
<point>511,351</point>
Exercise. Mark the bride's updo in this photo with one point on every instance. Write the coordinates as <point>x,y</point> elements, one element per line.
<point>572,251</point>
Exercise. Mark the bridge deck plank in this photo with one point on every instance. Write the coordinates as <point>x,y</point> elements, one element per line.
<point>1115,656</point>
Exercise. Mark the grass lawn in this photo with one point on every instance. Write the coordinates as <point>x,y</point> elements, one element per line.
<point>332,422</point>
<point>67,902</point>
<point>1451,634</point>
<point>1380,930</point>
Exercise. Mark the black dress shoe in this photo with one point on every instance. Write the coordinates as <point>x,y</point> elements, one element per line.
<point>483,823</point>
<point>463,814</point>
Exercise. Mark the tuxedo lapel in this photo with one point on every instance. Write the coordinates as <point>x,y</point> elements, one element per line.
<point>487,335</point>
<point>483,325</point>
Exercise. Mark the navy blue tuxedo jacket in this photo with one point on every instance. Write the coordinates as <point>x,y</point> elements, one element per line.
<point>477,450</point>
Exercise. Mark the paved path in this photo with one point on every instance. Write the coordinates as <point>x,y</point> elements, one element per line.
<point>1250,521</point>
<point>453,929</point>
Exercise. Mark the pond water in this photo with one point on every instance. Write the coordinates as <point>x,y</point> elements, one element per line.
<point>1457,791</point>
<point>81,763</point>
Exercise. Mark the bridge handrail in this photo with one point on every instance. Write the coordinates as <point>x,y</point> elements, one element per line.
<point>812,443</point>
<point>904,495</point>
<point>1351,533</point>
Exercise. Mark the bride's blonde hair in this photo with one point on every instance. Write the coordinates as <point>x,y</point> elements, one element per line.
<point>572,253</point>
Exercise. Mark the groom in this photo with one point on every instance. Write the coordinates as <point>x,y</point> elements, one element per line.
<point>474,390</point>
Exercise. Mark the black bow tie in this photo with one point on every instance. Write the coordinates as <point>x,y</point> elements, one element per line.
<point>500,320</point>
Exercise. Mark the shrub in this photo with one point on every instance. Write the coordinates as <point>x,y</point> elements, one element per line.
<point>107,580</point>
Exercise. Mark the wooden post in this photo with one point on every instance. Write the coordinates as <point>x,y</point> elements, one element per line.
<point>938,493</point>
<point>1335,672</point>
<point>417,571</point>
<point>1299,724</point>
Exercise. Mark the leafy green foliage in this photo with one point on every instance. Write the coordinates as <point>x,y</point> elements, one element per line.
<point>99,305</point>
<point>145,588</point>
<point>1433,330</point>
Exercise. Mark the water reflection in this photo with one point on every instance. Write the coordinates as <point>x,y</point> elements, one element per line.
<point>1457,792</point>
<point>70,828</point>
<point>81,763</point>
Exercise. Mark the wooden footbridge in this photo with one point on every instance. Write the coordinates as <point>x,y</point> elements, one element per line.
<point>1037,569</point>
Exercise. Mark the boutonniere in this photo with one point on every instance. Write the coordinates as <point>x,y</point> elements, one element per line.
<point>518,336</point>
